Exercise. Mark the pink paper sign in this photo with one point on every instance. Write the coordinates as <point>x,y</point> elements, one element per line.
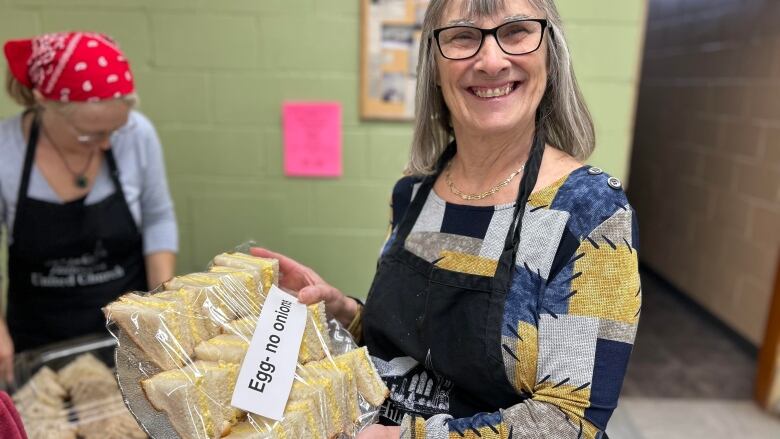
<point>312,139</point>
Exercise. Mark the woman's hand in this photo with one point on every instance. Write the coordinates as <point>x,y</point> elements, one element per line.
<point>6,354</point>
<point>380,432</point>
<point>311,288</point>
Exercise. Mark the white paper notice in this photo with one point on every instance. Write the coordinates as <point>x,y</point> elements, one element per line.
<point>267,373</point>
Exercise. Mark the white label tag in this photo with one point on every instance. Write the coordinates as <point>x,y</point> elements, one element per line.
<point>267,373</point>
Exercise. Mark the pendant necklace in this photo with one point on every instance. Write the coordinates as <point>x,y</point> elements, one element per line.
<point>79,178</point>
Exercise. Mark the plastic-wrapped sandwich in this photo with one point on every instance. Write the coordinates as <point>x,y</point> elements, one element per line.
<point>315,342</point>
<point>164,325</point>
<point>97,402</point>
<point>204,387</point>
<point>196,332</point>
<point>41,405</point>
<point>266,269</point>
<point>323,401</point>
<point>81,400</point>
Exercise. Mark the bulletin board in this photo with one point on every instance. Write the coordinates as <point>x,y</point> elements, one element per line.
<point>390,42</point>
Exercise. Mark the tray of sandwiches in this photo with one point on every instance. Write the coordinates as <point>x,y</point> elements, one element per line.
<point>180,347</point>
<point>68,390</point>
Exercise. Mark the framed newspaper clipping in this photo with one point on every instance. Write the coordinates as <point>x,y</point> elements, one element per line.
<point>390,42</point>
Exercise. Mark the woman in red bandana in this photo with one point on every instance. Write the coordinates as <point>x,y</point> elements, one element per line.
<point>83,192</point>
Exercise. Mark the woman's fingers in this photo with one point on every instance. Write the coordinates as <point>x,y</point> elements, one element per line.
<point>286,265</point>
<point>265,253</point>
<point>380,432</point>
<point>318,293</point>
<point>291,270</point>
<point>311,294</point>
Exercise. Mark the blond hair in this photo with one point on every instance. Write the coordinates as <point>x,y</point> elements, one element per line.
<point>564,116</point>
<point>20,93</point>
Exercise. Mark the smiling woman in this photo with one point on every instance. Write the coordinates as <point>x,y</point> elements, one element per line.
<point>507,295</point>
<point>82,190</point>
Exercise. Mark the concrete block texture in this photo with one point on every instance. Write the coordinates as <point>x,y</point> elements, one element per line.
<point>706,133</point>
<point>217,42</point>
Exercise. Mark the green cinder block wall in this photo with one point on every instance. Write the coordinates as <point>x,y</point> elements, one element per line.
<point>212,75</point>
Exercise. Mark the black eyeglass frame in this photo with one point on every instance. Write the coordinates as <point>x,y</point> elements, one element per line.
<point>494,32</point>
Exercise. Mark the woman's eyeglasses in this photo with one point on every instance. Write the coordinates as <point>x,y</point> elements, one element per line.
<point>516,37</point>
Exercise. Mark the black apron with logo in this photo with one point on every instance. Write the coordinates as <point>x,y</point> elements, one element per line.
<point>68,260</point>
<point>442,329</point>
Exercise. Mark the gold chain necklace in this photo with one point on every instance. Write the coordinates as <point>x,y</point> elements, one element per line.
<point>481,195</point>
<point>79,178</point>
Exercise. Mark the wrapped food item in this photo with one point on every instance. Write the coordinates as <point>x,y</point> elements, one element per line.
<point>314,345</point>
<point>180,351</point>
<point>235,292</point>
<point>80,401</point>
<point>224,347</point>
<point>204,386</point>
<point>162,327</point>
<point>96,401</point>
<point>266,269</point>
<point>41,405</point>
<point>369,383</point>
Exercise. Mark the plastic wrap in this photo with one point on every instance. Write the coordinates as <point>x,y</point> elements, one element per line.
<point>180,348</point>
<point>67,392</point>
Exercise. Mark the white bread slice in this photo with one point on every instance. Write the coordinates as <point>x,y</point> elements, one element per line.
<point>224,347</point>
<point>41,406</point>
<point>196,398</point>
<point>293,426</point>
<point>327,367</point>
<point>333,384</point>
<point>84,366</point>
<point>43,387</point>
<point>267,269</point>
<point>311,400</point>
<point>159,327</point>
<point>194,301</point>
<point>243,328</point>
<point>316,340</point>
<point>234,294</point>
<point>369,383</point>
<point>245,430</point>
<point>253,276</point>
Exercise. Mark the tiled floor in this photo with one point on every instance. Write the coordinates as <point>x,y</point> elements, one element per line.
<point>689,377</point>
<point>659,418</point>
<point>681,352</point>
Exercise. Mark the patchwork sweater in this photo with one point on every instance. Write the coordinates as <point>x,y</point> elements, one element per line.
<point>572,310</point>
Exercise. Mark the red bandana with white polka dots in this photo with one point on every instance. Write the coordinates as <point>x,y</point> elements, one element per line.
<point>71,67</point>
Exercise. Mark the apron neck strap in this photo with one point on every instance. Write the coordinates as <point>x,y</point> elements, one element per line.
<point>29,157</point>
<point>503,273</point>
<point>415,207</point>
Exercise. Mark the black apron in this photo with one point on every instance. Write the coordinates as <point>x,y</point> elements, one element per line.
<point>68,260</point>
<point>449,323</point>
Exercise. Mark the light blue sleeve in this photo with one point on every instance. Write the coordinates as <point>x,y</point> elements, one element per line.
<point>158,220</point>
<point>3,247</point>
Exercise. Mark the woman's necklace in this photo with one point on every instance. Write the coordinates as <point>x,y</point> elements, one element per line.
<point>481,195</point>
<point>79,178</point>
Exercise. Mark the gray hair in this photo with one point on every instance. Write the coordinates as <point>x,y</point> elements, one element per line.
<point>565,118</point>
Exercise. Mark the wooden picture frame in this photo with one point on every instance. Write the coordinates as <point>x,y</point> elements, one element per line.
<point>390,41</point>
